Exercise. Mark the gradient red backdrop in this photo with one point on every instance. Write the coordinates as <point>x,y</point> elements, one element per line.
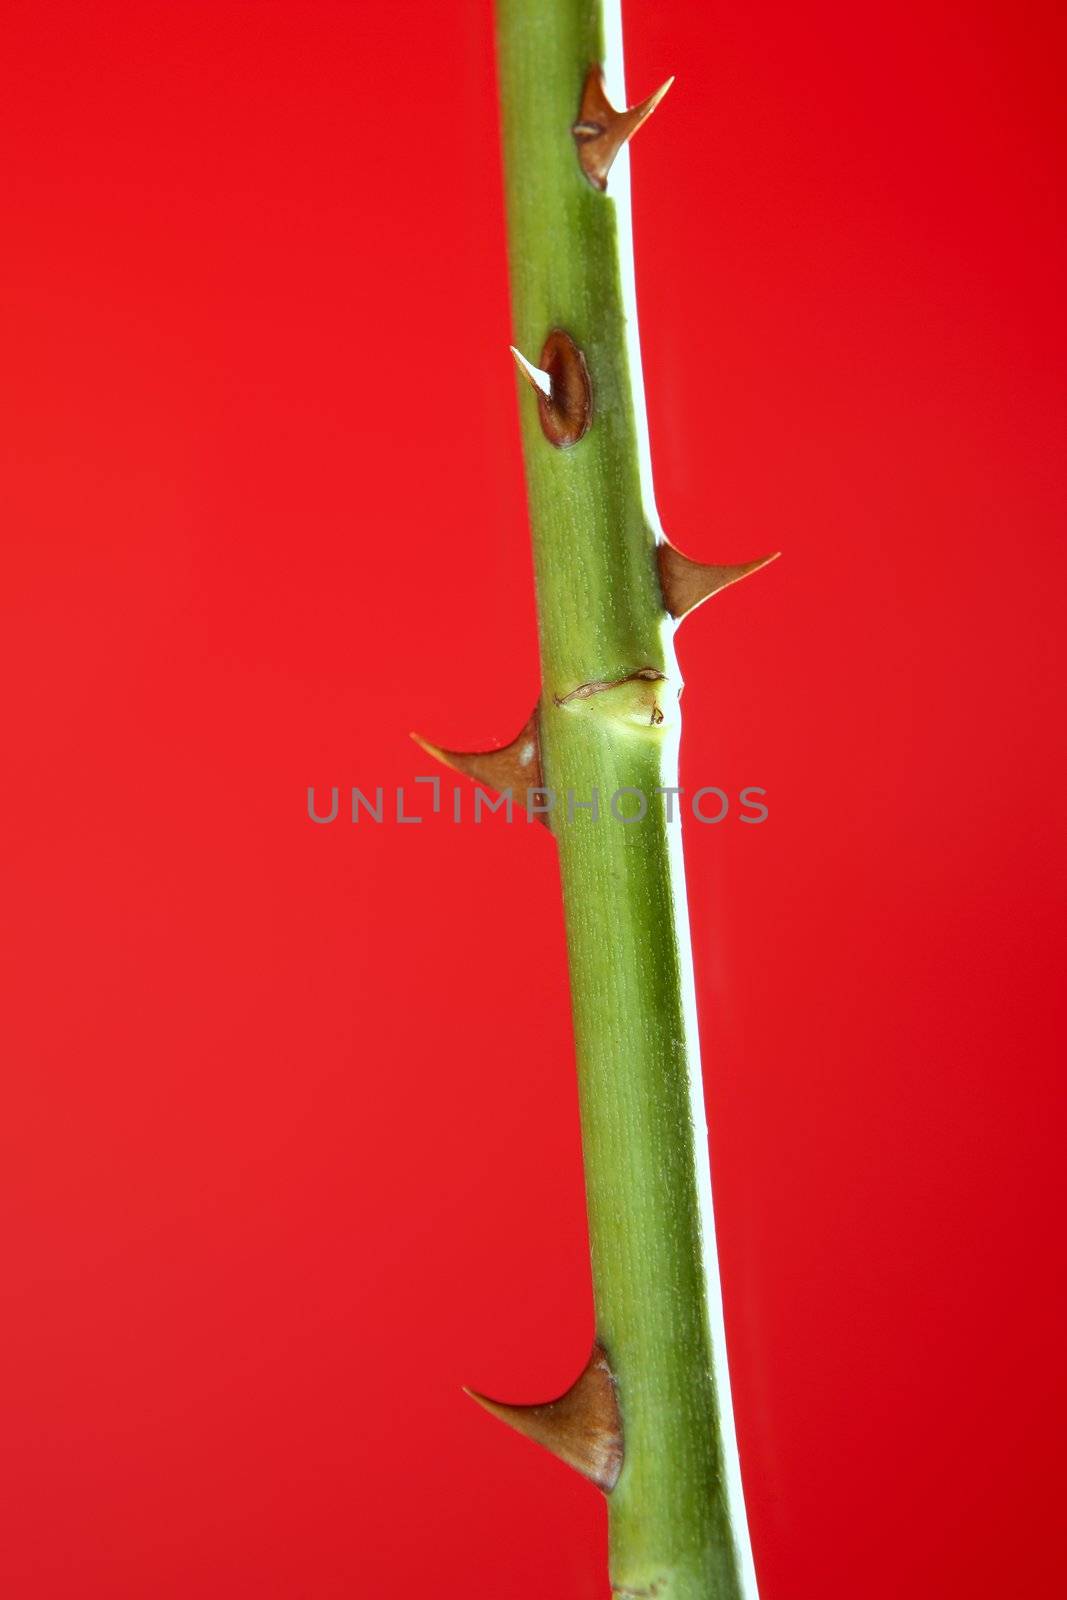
<point>279,1174</point>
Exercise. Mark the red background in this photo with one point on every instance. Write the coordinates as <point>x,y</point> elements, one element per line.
<point>279,1171</point>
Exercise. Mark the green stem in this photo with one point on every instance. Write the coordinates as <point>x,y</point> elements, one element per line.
<point>677,1523</point>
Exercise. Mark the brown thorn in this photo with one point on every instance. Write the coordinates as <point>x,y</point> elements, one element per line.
<point>516,766</point>
<point>583,1427</point>
<point>600,131</point>
<point>561,384</point>
<point>686,584</point>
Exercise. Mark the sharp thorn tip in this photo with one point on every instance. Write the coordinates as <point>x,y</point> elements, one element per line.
<point>654,99</point>
<point>583,1427</point>
<point>515,766</point>
<point>535,376</point>
<point>601,131</point>
<point>686,584</point>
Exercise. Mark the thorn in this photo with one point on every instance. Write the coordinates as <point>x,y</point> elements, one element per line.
<point>600,131</point>
<point>515,766</point>
<point>686,584</point>
<point>582,1427</point>
<point>538,380</point>
<point>564,392</point>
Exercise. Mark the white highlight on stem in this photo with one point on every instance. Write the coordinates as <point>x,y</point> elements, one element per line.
<point>731,1461</point>
<point>618,194</point>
